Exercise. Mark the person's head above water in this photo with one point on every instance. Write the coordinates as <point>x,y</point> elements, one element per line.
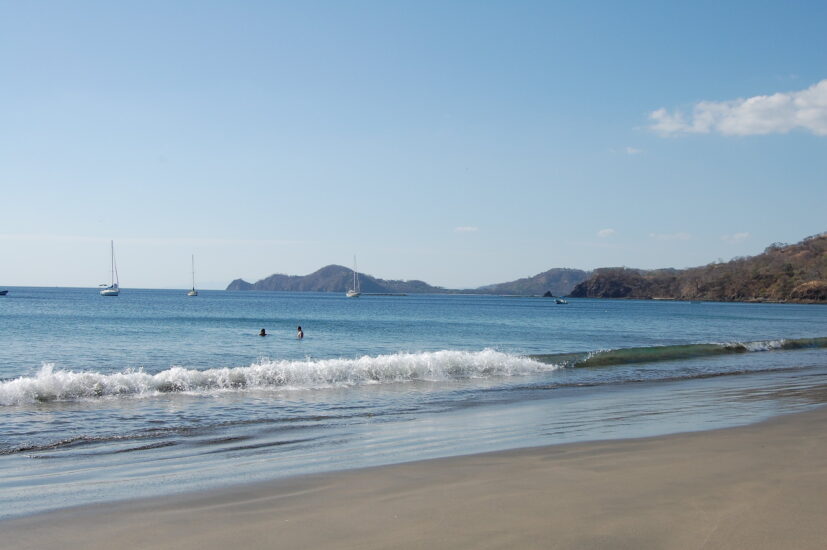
<point>262,332</point>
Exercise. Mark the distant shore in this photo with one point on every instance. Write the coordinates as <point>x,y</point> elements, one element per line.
<point>760,487</point>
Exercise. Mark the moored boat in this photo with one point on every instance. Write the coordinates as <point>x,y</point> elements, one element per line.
<point>354,291</point>
<point>113,288</point>
<point>193,292</point>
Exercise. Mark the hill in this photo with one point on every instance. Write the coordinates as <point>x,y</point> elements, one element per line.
<point>783,272</point>
<point>337,278</point>
<point>333,278</point>
<point>559,281</point>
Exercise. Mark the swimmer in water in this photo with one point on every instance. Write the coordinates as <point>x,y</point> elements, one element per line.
<point>262,332</point>
<point>299,334</point>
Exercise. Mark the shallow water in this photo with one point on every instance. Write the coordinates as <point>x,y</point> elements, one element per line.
<point>155,392</point>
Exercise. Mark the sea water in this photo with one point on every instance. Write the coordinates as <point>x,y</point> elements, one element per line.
<point>154,392</point>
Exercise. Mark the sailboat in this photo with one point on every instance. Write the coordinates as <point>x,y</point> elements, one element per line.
<point>112,289</point>
<point>354,291</point>
<point>193,292</point>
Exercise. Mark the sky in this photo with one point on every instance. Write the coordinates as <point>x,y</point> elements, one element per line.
<point>461,143</point>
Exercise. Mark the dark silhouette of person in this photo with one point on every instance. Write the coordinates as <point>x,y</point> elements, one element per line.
<point>262,332</point>
<point>300,333</point>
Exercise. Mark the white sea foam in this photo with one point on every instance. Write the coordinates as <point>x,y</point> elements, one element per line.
<point>53,384</point>
<point>766,345</point>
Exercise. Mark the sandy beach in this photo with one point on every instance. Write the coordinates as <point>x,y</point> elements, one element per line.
<point>760,486</point>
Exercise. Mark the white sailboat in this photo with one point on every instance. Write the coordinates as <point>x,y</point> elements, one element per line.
<point>113,289</point>
<point>354,291</point>
<point>193,292</point>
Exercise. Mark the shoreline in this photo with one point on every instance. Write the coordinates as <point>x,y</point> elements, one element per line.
<point>793,301</point>
<point>758,486</point>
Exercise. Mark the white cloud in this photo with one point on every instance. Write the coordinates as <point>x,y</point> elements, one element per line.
<point>466,229</point>
<point>735,238</point>
<point>633,151</point>
<point>757,115</point>
<point>603,233</point>
<point>671,236</point>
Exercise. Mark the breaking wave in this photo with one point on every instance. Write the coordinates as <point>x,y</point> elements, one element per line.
<point>54,384</point>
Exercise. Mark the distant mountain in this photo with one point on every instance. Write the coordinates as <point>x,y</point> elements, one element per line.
<point>239,284</point>
<point>337,278</point>
<point>558,281</point>
<point>783,272</point>
<point>333,278</point>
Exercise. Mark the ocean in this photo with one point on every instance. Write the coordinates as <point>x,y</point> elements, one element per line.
<point>153,392</point>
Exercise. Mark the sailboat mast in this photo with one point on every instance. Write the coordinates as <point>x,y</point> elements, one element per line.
<point>114,276</point>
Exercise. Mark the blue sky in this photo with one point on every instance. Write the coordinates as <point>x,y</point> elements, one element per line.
<point>462,143</point>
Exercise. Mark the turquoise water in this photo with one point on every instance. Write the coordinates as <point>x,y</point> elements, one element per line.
<point>154,392</point>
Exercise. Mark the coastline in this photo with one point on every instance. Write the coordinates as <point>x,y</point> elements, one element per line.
<point>757,486</point>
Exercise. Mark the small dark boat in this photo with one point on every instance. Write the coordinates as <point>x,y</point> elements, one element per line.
<point>3,292</point>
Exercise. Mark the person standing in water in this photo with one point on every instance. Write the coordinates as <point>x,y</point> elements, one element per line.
<point>299,333</point>
<point>262,332</point>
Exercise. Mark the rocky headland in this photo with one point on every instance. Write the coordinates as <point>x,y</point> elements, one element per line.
<point>782,273</point>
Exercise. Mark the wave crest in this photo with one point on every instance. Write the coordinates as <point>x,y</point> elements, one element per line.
<point>52,384</point>
<point>653,354</point>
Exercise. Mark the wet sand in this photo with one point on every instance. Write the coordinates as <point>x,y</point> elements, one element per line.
<point>758,487</point>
